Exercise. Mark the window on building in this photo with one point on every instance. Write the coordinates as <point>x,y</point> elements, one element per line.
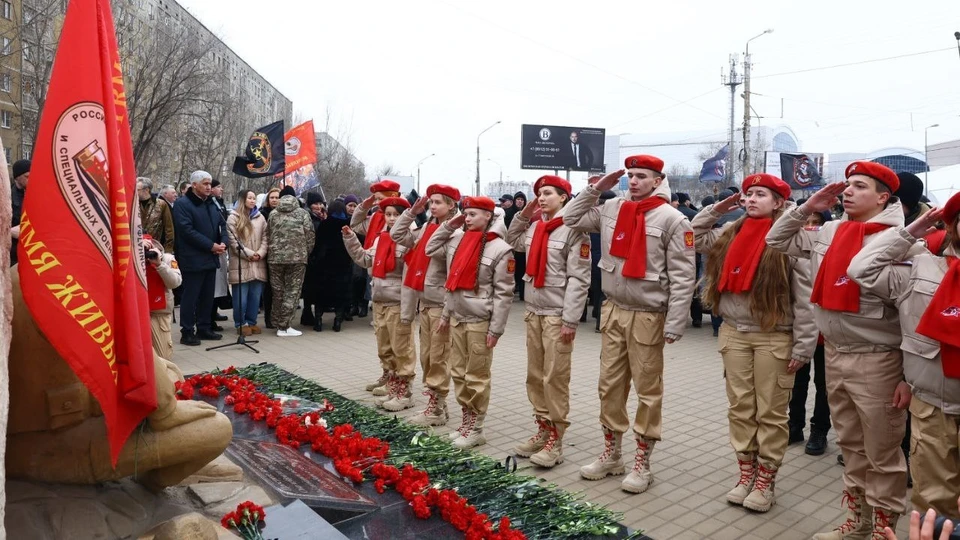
<point>7,10</point>
<point>7,153</point>
<point>5,82</point>
<point>26,151</point>
<point>7,48</point>
<point>6,119</point>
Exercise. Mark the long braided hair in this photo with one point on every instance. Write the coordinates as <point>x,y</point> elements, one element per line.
<point>771,295</point>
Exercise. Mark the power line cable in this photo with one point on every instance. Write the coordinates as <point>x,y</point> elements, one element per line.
<point>848,64</point>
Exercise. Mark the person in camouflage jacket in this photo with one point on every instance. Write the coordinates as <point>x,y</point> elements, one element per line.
<point>291,238</point>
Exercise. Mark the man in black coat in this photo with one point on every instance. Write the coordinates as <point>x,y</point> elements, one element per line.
<point>201,236</point>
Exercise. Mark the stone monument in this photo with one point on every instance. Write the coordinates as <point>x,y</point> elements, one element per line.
<point>57,433</point>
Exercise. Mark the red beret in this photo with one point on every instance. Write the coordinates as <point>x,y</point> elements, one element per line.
<point>878,172</point>
<point>483,203</point>
<point>147,238</point>
<point>554,181</point>
<point>394,201</point>
<point>440,189</point>
<point>768,181</point>
<point>644,162</point>
<point>385,185</point>
<point>951,209</point>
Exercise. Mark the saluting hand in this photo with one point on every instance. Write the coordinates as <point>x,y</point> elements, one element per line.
<point>530,210</point>
<point>457,222</point>
<point>925,224</point>
<point>729,204</point>
<point>824,199</point>
<point>368,202</point>
<point>609,181</point>
<point>420,205</point>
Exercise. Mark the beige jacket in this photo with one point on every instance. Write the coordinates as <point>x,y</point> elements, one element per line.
<point>892,268</point>
<point>735,308</point>
<point>568,270</point>
<point>169,273</point>
<point>433,293</point>
<point>385,290</point>
<point>671,267</point>
<point>360,220</point>
<point>240,264</point>
<point>876,327</point>
<point>492,298</point>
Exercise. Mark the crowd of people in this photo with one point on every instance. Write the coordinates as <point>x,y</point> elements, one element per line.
<point>859,285</point>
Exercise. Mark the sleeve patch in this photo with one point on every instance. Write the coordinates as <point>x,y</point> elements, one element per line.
<point>688,239</point>
<point>512,265</point>
<point>584,251</point>
<point>174,265</point>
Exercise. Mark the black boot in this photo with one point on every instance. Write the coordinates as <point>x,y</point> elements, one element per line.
<point>189,338</point>
<point>354,311</point>
<point>796,435</point>
<point>337,322</point>
<point>318,327</point>
<point>208,335</point>
<point>817,444</point>
<point>363,310</point>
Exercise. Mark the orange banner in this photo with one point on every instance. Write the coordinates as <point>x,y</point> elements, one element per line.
<point>300,147</point>
<point>82,268</point>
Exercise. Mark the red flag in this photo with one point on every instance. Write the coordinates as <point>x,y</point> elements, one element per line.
<point>300,147</point>
<point>82,268</point>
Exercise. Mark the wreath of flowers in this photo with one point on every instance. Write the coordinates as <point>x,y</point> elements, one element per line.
<point>353,455</point>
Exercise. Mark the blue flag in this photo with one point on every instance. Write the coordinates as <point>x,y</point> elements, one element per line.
<point>714,169</point>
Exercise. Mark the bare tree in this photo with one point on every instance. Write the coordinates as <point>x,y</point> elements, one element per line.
<point>386,169</point>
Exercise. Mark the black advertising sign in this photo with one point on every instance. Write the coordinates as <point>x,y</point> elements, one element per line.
<point>562,148</point>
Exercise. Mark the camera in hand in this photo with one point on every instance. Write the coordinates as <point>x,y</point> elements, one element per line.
<point>938,527</point>
<point>150,254</point>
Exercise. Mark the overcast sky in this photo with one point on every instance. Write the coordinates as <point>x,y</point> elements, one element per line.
<point>406,79</point>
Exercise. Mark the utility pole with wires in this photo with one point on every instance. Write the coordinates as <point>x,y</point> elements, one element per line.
<point>733,79</point>
<point>746,103</point>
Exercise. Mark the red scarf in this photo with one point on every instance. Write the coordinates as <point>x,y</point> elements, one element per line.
<point>377,223</point>
<point>941,320</point>
<point>156,289</point>
<point>743,256</point>
<point>417,261</point>
<point>385,259</point>
<point>843,294</point>
<point>537,258</point>
<point>463,269</point>
<point>630,236</point>
<point>935,241</point>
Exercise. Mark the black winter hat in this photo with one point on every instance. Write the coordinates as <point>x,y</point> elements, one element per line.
<point>313,198</point>
<point>288,190</point>
<point>682,197</point>
<point>911,189</point>
<point>520,195</point>
<point>21,167</point>
<point>506,197</point>
<point>607,195</point>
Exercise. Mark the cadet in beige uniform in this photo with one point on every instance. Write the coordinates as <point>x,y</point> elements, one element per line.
<point>864,366</point>
<point>925,289</point>
<point>647,262</point>
<point>479,282</point>
<point>163,275</point>
<point>558,268</point>
<point>425,277</point>
<point>768,331</point>
<point>394,340</point>
<point>370,226</point>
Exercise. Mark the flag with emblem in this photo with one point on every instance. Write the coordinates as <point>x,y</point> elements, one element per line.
<point>264,153</point>
<point>800,171</point>
<point>82,267</point>
<point>714,169</point>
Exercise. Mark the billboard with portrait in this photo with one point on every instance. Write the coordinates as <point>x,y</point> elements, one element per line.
<point>562,148</point>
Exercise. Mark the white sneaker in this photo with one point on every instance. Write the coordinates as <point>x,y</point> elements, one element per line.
<point>289,332</point>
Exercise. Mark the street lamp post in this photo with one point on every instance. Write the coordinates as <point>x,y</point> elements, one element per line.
<point>926,162</point>
<point>746,102</point>
<point>418,172</point>
<point>498,165</point>
<point>477,193</point>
